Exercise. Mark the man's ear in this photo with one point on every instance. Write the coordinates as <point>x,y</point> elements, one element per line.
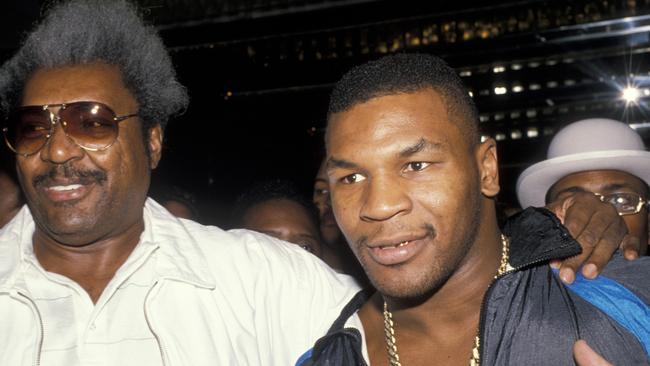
<point>155,145</point>
<point>488,165</point>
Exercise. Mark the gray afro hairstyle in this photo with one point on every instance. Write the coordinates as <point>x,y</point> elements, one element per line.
<point>81,32</point>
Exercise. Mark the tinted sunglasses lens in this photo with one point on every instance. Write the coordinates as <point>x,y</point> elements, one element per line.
<point>91,125</point>
<point>27,129</point>
<point>627,203</point>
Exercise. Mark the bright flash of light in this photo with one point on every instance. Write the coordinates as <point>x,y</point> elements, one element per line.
<point>631,94</point>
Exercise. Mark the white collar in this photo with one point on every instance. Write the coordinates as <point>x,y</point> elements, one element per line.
<point>179,255</point>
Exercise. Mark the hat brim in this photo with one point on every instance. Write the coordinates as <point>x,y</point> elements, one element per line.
<point>534,182</point>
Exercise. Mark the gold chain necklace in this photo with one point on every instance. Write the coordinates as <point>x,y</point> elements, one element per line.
<point>389,330</point>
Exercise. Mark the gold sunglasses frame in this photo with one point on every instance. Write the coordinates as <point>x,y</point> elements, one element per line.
<point>56,118</point>
<point>639,206</point>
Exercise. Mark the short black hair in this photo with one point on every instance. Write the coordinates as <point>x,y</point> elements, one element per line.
<point>407,73</point>
<point>268,190</point>
<point>82,32</point>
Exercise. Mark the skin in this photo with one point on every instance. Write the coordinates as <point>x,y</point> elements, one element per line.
<point>334,243</point>
<point>287,220</point>
<point>321,198</point>
<point>399,170</point>
<point>607,182</point>
<point>586,356</point>
<point>179,209</point>
<point>86,234</point>
<point>10,199</point>
<point>336,252</point>
<point>401,174</point>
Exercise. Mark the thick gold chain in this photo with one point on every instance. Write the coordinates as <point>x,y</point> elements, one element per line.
<point>389,330</point>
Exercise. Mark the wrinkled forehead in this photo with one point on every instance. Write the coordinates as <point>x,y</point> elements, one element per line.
<point>89,82</point>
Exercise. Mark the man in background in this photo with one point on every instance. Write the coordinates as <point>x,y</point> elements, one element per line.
<point>599,156</point>
<point>336,251</point>
<point>276,208</point>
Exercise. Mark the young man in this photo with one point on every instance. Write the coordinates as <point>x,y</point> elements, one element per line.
<point>599,156</point>
<point>413,191</point>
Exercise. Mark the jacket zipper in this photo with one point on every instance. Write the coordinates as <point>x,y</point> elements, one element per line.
<point>29,302</point>
<point>163,354</point>
<point>321,340</point>
<point>481,324</point>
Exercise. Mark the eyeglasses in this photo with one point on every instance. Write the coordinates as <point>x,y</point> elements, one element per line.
<point>91,125</point>
<point>625,203</point>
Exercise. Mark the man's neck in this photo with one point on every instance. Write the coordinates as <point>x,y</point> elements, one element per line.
<point>447,321</point>
<point>92,266</point>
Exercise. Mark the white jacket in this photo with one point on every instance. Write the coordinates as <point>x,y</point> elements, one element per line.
<point>219,298</point>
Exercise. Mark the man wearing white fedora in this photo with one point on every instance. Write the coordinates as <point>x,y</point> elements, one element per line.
<point>601,156</point>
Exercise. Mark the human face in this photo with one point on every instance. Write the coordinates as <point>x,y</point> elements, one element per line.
<point>406,189</point>
<point>607,182</point>
<point>287,220</point>
<point>328,226</point>
<point>179,209</point>
<point>79,197</point>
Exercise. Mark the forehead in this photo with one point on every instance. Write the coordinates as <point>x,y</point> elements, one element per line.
<point>279,212</point>
<point>600,181</point>
<point>392,121</point>
<point>92,82</point>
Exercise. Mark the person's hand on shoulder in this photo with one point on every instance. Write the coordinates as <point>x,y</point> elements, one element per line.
<point>598,229</point>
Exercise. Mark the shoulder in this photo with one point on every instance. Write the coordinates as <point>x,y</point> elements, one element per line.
<point>16,234</point>
<point>633,275</point>
<point>240,252</point>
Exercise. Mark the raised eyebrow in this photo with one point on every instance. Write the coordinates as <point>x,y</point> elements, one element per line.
<point>340,163</point>
<point>422,145</point>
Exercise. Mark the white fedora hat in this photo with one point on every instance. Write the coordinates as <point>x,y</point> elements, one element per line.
<point>590,144</point>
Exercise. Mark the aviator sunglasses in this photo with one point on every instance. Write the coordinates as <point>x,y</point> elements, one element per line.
<point>93,126</point>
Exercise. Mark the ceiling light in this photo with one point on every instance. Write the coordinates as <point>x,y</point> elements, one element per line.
<point>631,94</point>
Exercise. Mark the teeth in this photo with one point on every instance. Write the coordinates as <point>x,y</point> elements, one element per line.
<point>396,245</point>
<point>65,188</point>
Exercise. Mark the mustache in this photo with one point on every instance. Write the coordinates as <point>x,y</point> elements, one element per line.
<point>67,171</point>
<point>427,228</point>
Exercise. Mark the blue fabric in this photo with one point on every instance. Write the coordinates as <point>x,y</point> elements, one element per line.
<point>618,302</point>
<point>305,356</point>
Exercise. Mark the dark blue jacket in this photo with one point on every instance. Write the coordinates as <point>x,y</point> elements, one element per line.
<point>529,317</point>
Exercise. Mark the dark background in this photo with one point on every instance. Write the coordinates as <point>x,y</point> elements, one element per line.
<point>259,73</point>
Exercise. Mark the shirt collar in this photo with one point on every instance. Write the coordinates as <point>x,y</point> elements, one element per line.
<point>179,255</point>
